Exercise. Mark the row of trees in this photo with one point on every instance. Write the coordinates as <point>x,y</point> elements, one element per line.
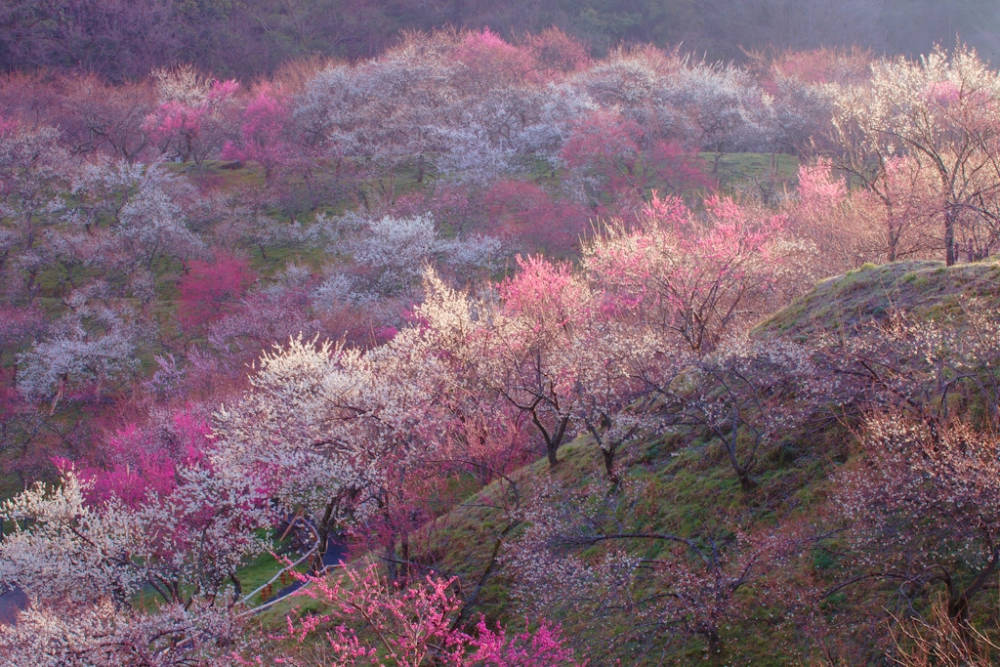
<point>466,104</point>
<point>125,40</point>
<point>918,136</point>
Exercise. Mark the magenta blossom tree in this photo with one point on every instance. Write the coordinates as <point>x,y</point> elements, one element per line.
<point>367,620</point>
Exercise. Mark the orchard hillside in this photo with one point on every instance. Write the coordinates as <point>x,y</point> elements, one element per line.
<point>530,346</point>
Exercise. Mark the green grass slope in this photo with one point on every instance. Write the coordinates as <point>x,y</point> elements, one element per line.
<point>680,482</point>
<point>923,288</point>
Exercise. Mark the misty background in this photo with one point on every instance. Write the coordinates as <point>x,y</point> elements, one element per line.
<point>125,39</point>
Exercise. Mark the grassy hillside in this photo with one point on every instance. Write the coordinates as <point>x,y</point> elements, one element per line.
<point>926,289</point>
<point>679,482</point>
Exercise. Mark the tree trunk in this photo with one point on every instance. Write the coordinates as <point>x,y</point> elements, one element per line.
<point>958,600</point>
<point>949,236</point>
<point>552,445</point>
<point>958,610</point>
<point>323,535</point>
<point>550,451</point>
<point>391,560</point>
<point>406,555</point>
<point>609,464</point>
<point>714,642</point>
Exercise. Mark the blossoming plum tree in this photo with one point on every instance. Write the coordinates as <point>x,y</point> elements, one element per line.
<point>940,112</point>
<point>695,279</point>
<point>368,620</point>
<point>184,545</point>
<point>920,507</point>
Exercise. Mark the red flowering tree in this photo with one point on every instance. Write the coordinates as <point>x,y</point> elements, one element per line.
<point>619,161</point>
<point>210,287</point>
<point>525,213</point>
<point>368,620</point>
<point>138,461</point>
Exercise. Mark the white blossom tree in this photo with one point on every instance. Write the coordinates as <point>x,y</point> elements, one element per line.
<point>85,565</point>
<point>940,112</point>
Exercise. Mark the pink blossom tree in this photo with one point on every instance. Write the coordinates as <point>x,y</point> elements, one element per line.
<point>190,122</point>
<point>556,53</point>
<point>940,113</point>
<point>488,61</point>
<point>542,304</point>
<point>891,219</point>
<point>691,278</point>
<point>263,131</point>
<point>368,620</point>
